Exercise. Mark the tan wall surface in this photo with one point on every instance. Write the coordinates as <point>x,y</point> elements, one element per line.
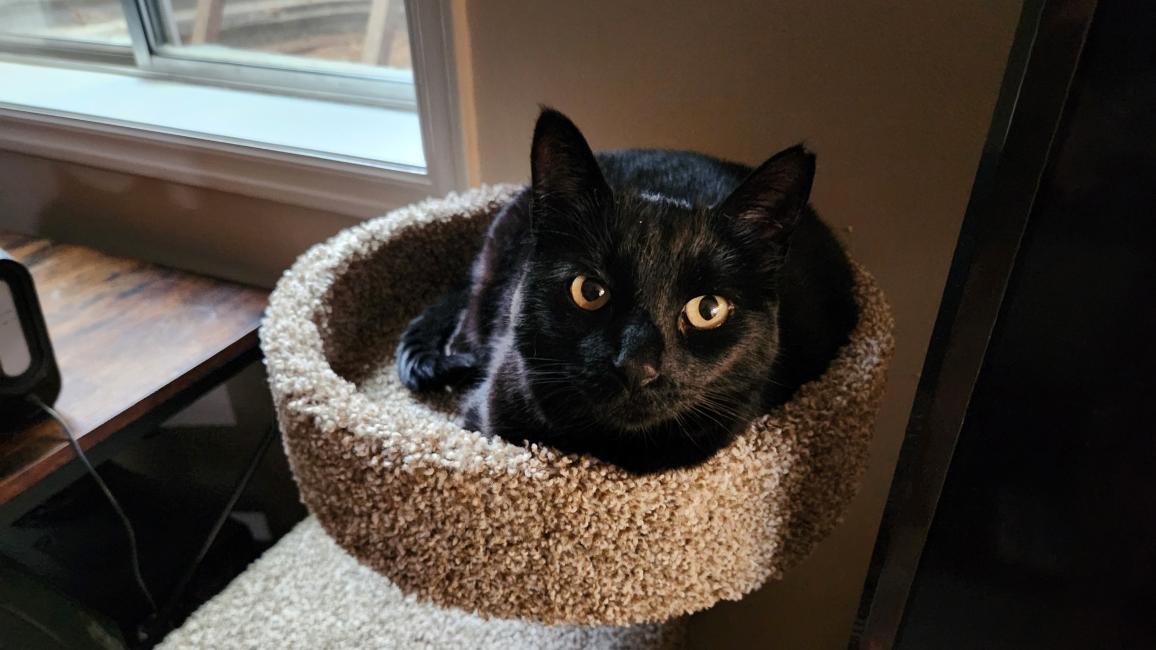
<point>894,97</point>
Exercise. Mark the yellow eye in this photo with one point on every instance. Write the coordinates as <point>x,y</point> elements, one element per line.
<point>707,312</point>
<point>589,294</point>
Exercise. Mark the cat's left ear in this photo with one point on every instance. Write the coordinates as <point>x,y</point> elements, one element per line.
<point>564,171</point>
<point>770,202</point>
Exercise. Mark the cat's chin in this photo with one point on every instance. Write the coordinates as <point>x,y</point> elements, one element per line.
<point>638,424</point>
<point>636,417</point>
<point>629,417</point>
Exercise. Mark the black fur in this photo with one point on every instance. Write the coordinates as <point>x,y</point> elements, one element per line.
<point>422,359</point>
<point>657,228</point>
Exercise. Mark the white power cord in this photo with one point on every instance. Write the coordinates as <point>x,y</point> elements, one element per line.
<point>128,529</point>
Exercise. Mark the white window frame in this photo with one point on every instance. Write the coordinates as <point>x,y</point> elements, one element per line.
<point>378,86</point>
<point>348,187</point>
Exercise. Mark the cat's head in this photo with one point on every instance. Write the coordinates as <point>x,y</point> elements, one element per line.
<point>638,309</point>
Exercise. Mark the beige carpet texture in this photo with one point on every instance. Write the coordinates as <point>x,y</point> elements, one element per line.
<point>306,593</point>
<point>514,532</point>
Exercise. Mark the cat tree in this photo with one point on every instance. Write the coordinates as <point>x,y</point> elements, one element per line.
<point>463,521</point>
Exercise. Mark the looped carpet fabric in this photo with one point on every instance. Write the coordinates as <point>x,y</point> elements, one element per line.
<point>509,531</point>
<point>307,593</point>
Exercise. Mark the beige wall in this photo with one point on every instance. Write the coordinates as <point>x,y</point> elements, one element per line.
<point>895,99</point>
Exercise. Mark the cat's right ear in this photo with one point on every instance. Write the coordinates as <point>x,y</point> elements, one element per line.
<point>564,171</point>
<point>769,204</point>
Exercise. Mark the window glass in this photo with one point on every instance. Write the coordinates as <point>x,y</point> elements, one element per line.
<point>338,34</point>
<point>97,21</point>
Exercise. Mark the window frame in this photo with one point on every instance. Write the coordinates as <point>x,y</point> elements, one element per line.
<point>382,87</point>
<point>66,50</point>
<point>347,188</point>
<point>152,56</point>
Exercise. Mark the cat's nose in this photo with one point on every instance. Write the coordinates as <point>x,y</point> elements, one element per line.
<point>637,372</point>
<point>639,352</point>
<point>645,374</point>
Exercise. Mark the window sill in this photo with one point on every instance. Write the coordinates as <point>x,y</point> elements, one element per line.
<point>347,158</point>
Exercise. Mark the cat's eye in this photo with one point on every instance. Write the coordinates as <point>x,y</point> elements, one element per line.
<point>707,312</point>
<point>588,293</point>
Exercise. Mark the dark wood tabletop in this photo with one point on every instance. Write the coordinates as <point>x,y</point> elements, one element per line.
<point>129,338</point>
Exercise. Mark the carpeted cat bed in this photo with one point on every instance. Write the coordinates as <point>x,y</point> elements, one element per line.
<point>508,531</point>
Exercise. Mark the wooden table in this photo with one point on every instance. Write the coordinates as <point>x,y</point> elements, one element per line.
<point>135,343</point>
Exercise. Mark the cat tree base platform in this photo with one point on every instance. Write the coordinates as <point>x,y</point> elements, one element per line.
<point>306,593</point>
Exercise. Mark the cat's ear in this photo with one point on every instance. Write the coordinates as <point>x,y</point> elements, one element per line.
<point>770,202</point>
<point>563,169</point>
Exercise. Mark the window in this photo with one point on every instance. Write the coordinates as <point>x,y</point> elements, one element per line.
<point>332,81</point>
<point>357,50</point>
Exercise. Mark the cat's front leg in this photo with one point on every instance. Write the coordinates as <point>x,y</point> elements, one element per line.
<point>425,360</point>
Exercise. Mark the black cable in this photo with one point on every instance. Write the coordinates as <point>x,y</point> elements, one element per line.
<point>128,529</point>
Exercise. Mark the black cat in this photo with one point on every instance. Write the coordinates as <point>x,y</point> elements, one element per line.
<point>641,306</point>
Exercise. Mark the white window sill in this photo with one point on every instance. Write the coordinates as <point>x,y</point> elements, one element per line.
<point>347,158</point>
